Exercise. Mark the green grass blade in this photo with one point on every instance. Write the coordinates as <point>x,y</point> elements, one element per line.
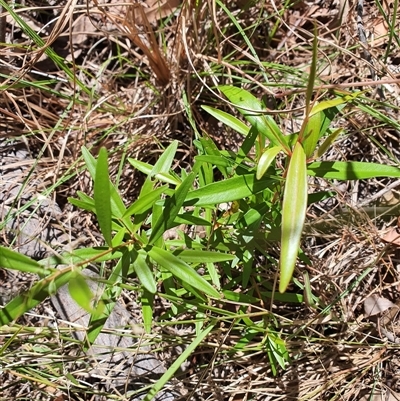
<point>162,381</point>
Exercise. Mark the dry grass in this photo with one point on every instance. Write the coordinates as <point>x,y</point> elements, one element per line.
<point>133,75</point>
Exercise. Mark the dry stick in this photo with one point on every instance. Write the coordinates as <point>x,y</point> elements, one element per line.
<point>366,55</point>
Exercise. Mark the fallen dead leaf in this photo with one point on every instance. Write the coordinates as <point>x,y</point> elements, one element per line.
<point>157,9</point>
<point>374,305</point>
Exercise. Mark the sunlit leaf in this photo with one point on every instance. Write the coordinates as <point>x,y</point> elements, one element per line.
<point>227,119</point>
<point>143,167</point>
<point>351,170</point>
<point>228,190</point>
<point>171,209</point>
<point>327,143</point>
<point>80,291</point>
<point>211,149</point>
<point>143,271</point>
<point>334,103</point>
<point>266,159</point>
<point>182,270</point>
<point>147,301</point>
<point>145,202</point>
<point>16,261</point>
<point>102,196</point>
<point>294,207</point>
<point>254,112</point>
<point>312,134</point>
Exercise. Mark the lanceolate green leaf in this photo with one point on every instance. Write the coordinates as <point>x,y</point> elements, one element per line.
<point>16,261</point>
<point>145,202</point>
<point>351,170</point>
<point>334,103</point>
<point>327,143</point>
<point>36,294</point>
<point>312,134</point>
<point>162,165</point>
<point>293,214</point>
<point>254,112</point>
<point>182,270</point>
<point>171,209</point>
<point>143,271</point>
<point>266,159</point>
<point>102,196</point>
<point>228,120</point>
<point>80,291</point>
<point>228,190</point>
<point>194,256</point>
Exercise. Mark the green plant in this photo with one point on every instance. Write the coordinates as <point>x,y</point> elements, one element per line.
<point>289,198</point>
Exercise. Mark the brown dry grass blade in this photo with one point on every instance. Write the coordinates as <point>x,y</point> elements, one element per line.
<point>151,50</point>
<point>144,38</point>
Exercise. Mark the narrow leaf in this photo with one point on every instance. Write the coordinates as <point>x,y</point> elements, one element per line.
<point>36,294</point>
<point>16,261</point>
<point>293,214</point>
<point>228,120</point>
<point>266,159</point>
<point>351,170</point>
<point>254,112</point>
<point>102,196</point>
<point>145,202</point>
<point>147,301</point>
<point>194,256</point>
<point>143,271</point>
<point>182,270</point>
<point>334,103</point>
<point>327,143</point>
<point>171,209</point>
<point>312,132</point>
<point>80,291</point>
<point>228,190</point>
